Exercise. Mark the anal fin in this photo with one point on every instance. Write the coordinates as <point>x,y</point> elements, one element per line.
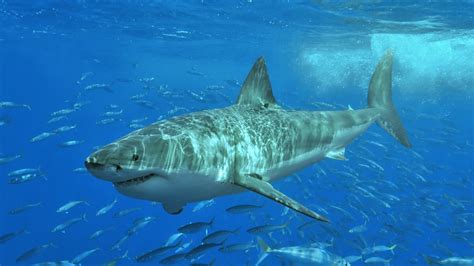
<point>256,183</point>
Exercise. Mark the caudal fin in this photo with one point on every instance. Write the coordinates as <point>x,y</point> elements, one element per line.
<point>264,249</point>
<point>380,97</point>
<point>263,246</point>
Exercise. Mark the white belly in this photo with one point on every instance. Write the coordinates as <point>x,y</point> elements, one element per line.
<point>179,189</point>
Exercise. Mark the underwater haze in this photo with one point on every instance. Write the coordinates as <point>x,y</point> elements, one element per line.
<point>77,75</point>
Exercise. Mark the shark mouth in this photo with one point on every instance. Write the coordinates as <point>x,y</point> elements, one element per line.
<point>134,181</point>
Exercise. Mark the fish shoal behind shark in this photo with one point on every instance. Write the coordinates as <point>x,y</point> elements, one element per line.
<point>245,146</point>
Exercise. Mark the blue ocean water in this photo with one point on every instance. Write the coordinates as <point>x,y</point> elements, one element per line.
<point>159,59</point>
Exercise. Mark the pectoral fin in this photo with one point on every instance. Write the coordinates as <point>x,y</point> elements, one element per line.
<point>256,183</point>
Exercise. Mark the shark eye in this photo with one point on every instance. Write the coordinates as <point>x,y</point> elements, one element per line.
<point>135,157</point>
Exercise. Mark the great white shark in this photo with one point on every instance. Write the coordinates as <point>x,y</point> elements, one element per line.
<point>245,146</point>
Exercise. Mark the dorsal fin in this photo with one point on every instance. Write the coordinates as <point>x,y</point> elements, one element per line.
<point>257,89</point>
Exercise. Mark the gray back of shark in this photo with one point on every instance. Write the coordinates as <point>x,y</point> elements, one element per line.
<point>211,153</point>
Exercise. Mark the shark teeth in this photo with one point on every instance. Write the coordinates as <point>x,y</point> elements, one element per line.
<point>133,181</point>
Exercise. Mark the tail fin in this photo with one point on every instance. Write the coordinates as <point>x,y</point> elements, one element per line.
<point>392,248</point>
<point>380,97</point>
<point>264,248</point>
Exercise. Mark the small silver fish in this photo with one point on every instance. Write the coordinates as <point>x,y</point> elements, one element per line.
<point>7,159</point>
<point>106,208</point>
<point>316,256</point>
<point>173,259</point>
<point>79,170</point>
<point>31,252</point>
<point>183,247</point>
<point>244,208</point>
<point>99,232</point>
<point>378,260</point>
<point>66,207</point>
<point>79,105</point>
<point>63,112</point>
<point>84,76</point>
<point>359,228</point>
<point>146,80</point>
<point>140,223</point>
<point>203,247</point>
<point>126,212</point>
<point>146,104</point>
<point>138,96</point>
<point>195,227</point>
<point>173,238</point>
<point>119,243</point>
<point>379,248</point>
<point>107,121</point>
<point>98,86</point>
<point>112,113</point>
<point>24,171</point>
<point>266,228</point>
<point>70,143</point>
<point>24,208</point>
<point>9,236</point>
<point>64,129</point>
<point>150,255</point>
<point>62,227</point>
<point>203,204</point>
<point>219,235</point>
<point>237,247</point>
<point>56,119</point>
<point>42,136</point>
<point>136,126</point>
<point>25,178</point>
<point>14,105</point>
<point>457,261</point>
<point>83,255</point>
<point>139,120</point>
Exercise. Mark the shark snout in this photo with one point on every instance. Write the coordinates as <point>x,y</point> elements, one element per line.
<point>91,163</point>
<point>109,172</point>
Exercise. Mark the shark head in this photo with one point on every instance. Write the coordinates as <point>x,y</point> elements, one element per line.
<point>157,163</point>
<point>128,165</point>
<point>119,161</point>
